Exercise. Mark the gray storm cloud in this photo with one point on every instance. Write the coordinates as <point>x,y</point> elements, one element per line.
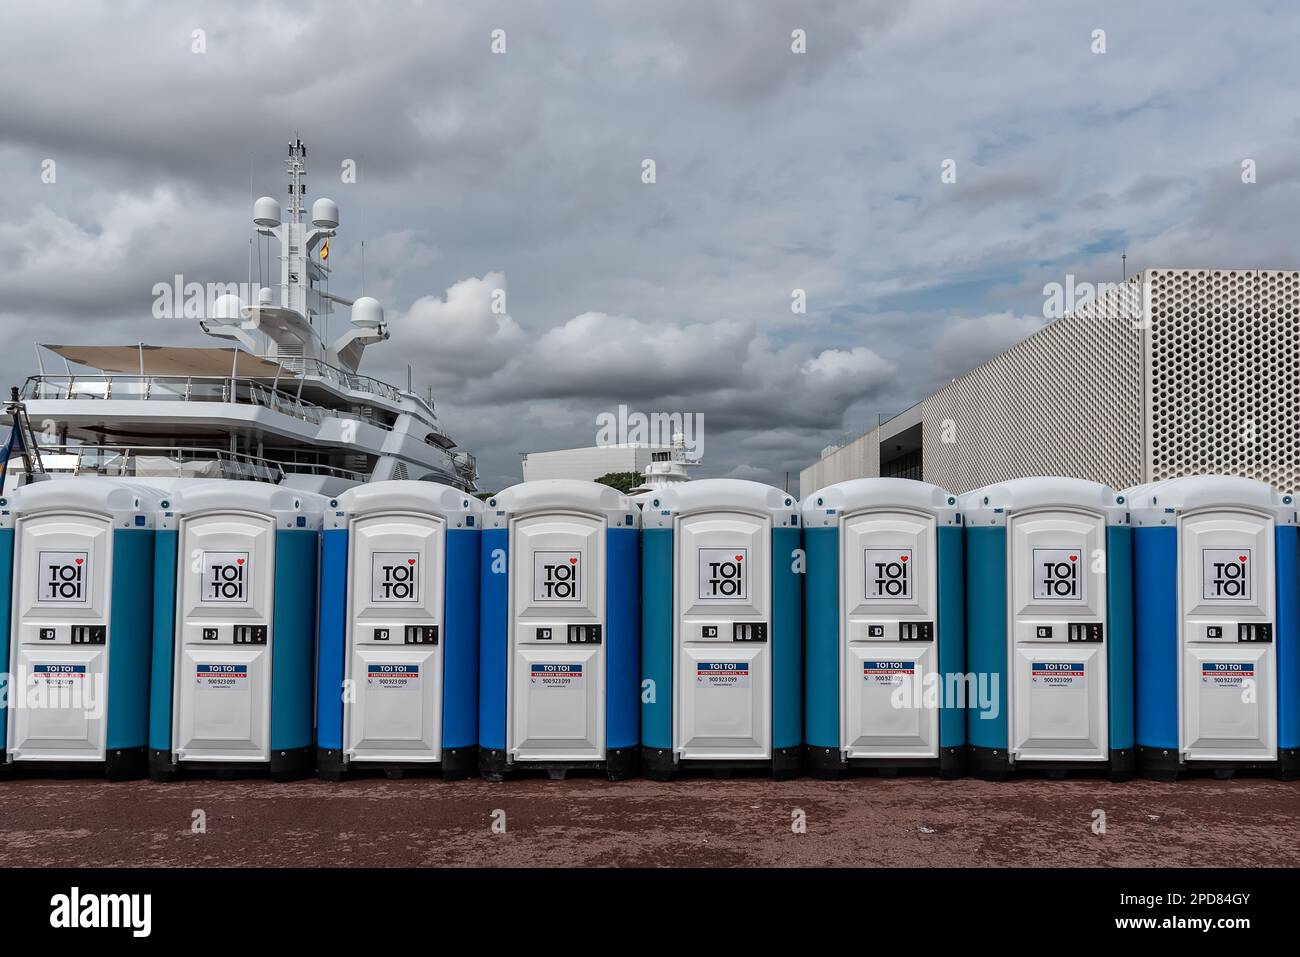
<point>776,172</point>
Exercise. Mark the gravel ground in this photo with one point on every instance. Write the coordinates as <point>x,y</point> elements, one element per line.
<point>587,821</point>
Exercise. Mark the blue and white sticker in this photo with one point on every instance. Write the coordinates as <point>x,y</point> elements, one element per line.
<point>888,673</point>
<point>558,676</point>
<point>1057,674</point>
<point>390,677</point>
<point>722,674</point>
<point>58,676</point>
<point>221,677</point>
<point>1226,674</point>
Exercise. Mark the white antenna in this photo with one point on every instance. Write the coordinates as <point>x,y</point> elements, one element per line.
<point>296,166</point>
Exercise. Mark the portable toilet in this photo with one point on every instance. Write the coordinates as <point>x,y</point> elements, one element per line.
<point>721,645</point>
<point>1049,627</point>
<point>397,684</point>
<point>885,631</point>
<point>1216,603</point>
<point>234,636</point>
<point>76,586</point>
<point>559,630</point>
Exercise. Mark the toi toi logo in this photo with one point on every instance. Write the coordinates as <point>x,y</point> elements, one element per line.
<point>557,576</point>
<point>64,576</point>
<point>1226,574</point>
<point>395,577</point>
<point>889,573</point>
<point>722,574</point>
<point>1058,575</point>
<point>224,576</point>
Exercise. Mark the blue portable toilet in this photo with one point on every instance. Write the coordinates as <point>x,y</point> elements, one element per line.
<point>559,630</point>
<point>1216,603</point>
<point>721,629</point>
<point>884,626</point>
<point>234,629</point>
<point>399,600</point>
<point>76,585</point>
<point>1049,627</point>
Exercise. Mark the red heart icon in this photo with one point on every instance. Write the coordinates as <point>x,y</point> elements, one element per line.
<point>902,558</point>
<point>239,561</point>
<point>410,561</point>
<point>1074,558</point>
<point>573,561</point>
<point>1241,558</point>
<point>79,560</point>
<point>740,558</point>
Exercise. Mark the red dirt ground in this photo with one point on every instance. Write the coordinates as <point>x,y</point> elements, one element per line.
<point>426,822</point>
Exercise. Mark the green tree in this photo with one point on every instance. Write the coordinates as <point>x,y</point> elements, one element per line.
<point>623,481</point>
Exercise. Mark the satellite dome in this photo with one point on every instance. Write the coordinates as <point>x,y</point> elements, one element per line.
<point>325,213</point>
<point>266,212</point>
<point>227,307</point>
<point>367,312</point>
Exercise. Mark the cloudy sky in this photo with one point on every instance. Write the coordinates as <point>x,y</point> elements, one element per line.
<point>523,170</point>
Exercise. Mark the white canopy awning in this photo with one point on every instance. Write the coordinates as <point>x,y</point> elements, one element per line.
<point>171,361</point>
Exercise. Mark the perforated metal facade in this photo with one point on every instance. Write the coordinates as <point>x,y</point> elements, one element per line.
<point>1223,374</point>
<point>1175,372</point>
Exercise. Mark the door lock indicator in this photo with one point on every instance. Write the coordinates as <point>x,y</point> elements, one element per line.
<point>916,631</point>
<point>708,631</point>
<point>1255,631</point>
<point>89,635</point>
<point>875,631</point>
<point>46,634</point>
<point>210,634</point>
<point>1043,632</point>
<point>1089,631</point>
<point>250,634</point>
<point>543,634</point>
<point>584,634</point>
<point>749,631</point>
<point>421,634</point>
<point>1213,632</point>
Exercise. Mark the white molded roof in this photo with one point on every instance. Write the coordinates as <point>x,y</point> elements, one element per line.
<point>89,493</point>
<point>430,497</point>
<point>1018,495</point>
<point>561,495</point>
<point>719,494</point>
<point>1206,491</point>
<point>858,494</point>
<point>202,495</point>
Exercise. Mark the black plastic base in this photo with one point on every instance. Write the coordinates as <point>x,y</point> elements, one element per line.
<point>826,764</point>
<point>620,764</point>
<point>994,764</point>
<point>988,764</point>
<point>120,764</point>
<point>286,764</point>
<point>456,765</point>
<point>1164,764</point>
<point>657,763</point>
<point>784,765</point>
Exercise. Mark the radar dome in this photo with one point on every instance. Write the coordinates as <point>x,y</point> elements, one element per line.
<point>325,213</point>
<point>367,312</point>
<point>266,212</point>
<point>227,308</point>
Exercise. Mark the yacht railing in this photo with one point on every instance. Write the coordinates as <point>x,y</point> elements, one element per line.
<point>302,365</point>
<point>164,461</point>
<point>245,390</point>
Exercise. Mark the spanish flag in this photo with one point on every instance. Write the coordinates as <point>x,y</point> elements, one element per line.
<point>325,250</point>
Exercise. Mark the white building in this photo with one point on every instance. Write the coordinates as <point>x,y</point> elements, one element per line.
<point>1175,372</point>
<point>587,464</point>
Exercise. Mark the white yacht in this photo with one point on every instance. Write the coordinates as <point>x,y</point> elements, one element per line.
<point>280,403</point>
